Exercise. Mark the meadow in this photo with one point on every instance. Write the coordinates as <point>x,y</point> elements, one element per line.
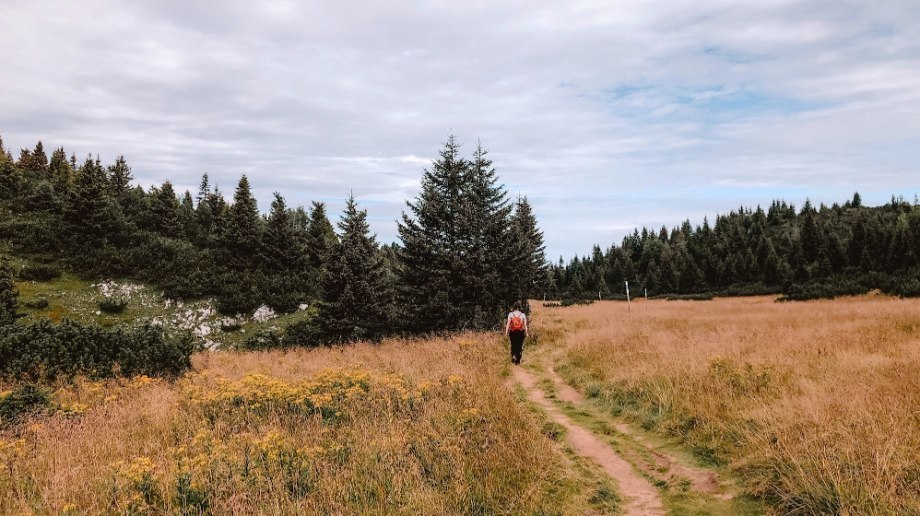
<point>405,427</point>
<point>795,408</point>
<point>814,407</point>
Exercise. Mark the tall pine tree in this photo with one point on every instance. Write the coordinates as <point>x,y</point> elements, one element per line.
<point>243,233</point>
<point>8,294</point>
<point>432,274</point>
<point>355,301</point>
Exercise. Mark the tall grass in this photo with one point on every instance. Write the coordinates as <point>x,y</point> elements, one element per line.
<point>815,405</point>
<point>421,427</point>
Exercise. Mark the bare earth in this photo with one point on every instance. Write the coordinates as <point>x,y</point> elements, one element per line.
<point>641,497</point>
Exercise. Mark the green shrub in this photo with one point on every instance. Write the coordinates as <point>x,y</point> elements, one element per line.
<point>24,400</point>
<point>42,351</point>
<point>113,305</point>
<point>39,272</point>
<point>230,326</point>
<point>37,304</point>
<point>808,291</point>
<point>301,334</point>
<point>261,341</point>
<point>689,297</point>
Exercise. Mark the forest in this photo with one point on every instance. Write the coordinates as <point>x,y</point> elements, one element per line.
<point>467,251</point>
<point>814,252</point>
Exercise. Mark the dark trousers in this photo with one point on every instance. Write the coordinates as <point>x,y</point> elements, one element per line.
<point>517,345</point>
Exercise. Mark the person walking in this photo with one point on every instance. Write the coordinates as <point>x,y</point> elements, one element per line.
<point>516,330</point>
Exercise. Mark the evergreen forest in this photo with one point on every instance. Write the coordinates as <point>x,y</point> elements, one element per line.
<point>814,252</point>
<point>467,251</point>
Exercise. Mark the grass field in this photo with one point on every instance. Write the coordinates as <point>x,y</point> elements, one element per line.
<point>814,406</point>
<point>405,427</point>
<point>803,407</point>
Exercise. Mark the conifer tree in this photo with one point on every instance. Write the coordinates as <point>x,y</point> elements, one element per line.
<point>355,300</point>
<point>529,260</point>
<point>38,161</point>
<point>120,176</point>
<point>8,294</point>
<point>432,272</point>
<point>320,236</point>
<point>188,224</point>
<point>484,223</point>
<point>91,219</point>
<point>280,243</point>
<point>60,170</point>
<point>243,233</point>
<point>164,210</point>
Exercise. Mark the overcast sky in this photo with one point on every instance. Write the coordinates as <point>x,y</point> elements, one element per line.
<point>606,115</point>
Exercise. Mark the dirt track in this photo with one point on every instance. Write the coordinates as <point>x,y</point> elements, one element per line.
<point>640,496</point>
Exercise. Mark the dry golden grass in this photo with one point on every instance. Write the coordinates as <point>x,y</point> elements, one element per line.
<point>421,427</point>
<point>815,405</point>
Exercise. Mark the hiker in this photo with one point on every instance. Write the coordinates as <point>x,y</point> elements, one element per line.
<point>516,330</point>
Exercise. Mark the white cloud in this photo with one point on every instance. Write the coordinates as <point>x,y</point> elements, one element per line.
<point>605,115</point>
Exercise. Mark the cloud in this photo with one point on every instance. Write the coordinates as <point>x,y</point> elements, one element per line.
<point>605,115</point>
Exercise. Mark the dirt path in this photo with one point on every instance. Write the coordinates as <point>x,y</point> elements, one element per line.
<point>640,496</point>
<point>656,464</point>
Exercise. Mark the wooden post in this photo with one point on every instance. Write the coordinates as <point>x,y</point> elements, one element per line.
<point>628,302</point>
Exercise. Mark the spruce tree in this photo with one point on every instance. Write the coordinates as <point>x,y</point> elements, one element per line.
<point>38,161</point>
<point>529,260</point>
<point>188,225</point>
<point>120,176</point>
<point>279,244</point>
<point>89,215</point>
<point>164,210</point>
<point>8,294</point>
<point>486,213</point>
<point>243,233</point>
<point>60,170</point>
<point>320,236</point>
<point>355,301</point>
<point>432,273</point>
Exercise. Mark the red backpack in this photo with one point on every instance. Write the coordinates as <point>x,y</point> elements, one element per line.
<point>516,323</point>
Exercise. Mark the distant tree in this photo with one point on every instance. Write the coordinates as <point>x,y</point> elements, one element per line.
<point>120,176</point>
<point>8,294</point>
<point>279,245</point>
<point>487,274</point>
<point>432,275</point>
<point>164,210</point>
<point>355,301</point>
<point>188,224</point>
<point>244,227</point>
<point>320,236</point>
<point>91,218</point>
<point>529,262</point>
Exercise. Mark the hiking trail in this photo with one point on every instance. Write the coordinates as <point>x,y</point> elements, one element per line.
<point>640,496</point>
<point>636,462</point>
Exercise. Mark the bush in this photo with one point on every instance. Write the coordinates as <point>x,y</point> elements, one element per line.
<point>753,289</point>
<point>113,305</point>
<point>44,351</point>
<point>37,304</point>
<point>571,302</point>
<point>810,291</point>
<point>39,272</point>
<point>22,401</point>
<point>239,295</point>
<point>230,325</point>
<point>302,334</point>
<point>689,297</point>
<point>262,341</point>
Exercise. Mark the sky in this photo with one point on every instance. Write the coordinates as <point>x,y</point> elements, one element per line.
<point>605,115</point>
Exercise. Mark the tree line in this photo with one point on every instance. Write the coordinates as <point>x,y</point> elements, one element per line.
<point>813,252</point>
<point>466,250</point>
